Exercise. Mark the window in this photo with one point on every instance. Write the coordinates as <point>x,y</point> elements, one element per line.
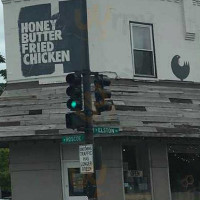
<point>81,184</point>
<point>184,171</point>
<point>143,50</point>
<point>136,172</point>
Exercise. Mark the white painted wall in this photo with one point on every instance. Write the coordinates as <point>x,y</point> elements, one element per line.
<point>13,61</point>
<point>109,36</point>
<point>110,46</point>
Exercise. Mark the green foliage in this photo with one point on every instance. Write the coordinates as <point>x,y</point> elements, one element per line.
<point>2,59</point>
<point>2,87</point>
<point>4,170</point>
<point>4,152</point>
<point>3,74</point>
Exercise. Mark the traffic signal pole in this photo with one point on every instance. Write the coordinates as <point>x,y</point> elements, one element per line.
<point>89,139</point>
<point>81,118</point>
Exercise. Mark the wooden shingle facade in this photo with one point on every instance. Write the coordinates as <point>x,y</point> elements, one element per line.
<point>157,121</point>
<point>144,109</point>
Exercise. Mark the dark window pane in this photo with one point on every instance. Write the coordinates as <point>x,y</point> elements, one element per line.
<point>81,184</point>
<point>184,174</point>
<point>143,62</point>
<point>76,184</point>
<point>136,172</point>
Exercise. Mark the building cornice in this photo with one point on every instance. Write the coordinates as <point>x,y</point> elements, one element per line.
<point>6,1</point>
<point>10,1</point>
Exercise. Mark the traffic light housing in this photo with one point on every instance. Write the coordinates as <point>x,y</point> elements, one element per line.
<point>74,91</point>
<point>76,119</point>
<point>101,94</point>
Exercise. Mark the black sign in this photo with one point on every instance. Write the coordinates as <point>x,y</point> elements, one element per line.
<point>179,71</point>
<point>47,40</point>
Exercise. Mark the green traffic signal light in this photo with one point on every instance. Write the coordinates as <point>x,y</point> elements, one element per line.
<point>74,92</point>
<point>73,104</point>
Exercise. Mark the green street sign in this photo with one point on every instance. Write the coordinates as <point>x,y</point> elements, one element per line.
<point>105,130</point>
<point>73,139</point>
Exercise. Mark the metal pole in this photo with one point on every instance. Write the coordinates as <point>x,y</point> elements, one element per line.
<point>89,139</point>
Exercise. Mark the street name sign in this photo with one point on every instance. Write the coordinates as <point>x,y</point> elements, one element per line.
<point>86,159</point>
<point>70,139</point>
<point>105,130</point>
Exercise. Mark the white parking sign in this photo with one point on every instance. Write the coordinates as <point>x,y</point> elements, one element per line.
<point>86,159</point>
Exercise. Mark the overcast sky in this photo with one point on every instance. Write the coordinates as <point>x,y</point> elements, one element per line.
<point>2,41</point>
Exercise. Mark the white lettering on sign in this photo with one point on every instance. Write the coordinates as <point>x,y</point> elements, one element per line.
<point>86,159</point>
<point>37,46</point>
<point>105,130</point>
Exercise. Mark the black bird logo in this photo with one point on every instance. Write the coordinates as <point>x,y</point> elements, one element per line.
<point>179,71</point>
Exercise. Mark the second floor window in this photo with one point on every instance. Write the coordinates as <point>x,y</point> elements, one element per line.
<point>142,50</point>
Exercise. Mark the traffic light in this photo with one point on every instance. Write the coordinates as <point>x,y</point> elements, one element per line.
<point>74,91</point>
<point>74,120</point>
<point>101,94</point>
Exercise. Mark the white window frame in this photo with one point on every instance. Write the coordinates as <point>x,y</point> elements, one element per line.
<point>132,24</point>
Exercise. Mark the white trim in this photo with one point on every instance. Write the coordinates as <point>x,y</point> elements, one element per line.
<point>143,50</point>
<point>122,172</point>
<point>65,165</point>
<point>61,167</point>
<point>132,24</point>
<point>151,172</point>
<point>168,175</point>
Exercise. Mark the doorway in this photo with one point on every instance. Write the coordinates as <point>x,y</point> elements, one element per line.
<point>136,172</point>
<point>77,186</point>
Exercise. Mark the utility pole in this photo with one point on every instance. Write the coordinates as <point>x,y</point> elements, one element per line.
<point>79,89</point>
<point>89,139</point>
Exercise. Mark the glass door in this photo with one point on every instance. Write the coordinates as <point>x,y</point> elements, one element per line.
<point>136,172</point>
<point>77,186</point>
